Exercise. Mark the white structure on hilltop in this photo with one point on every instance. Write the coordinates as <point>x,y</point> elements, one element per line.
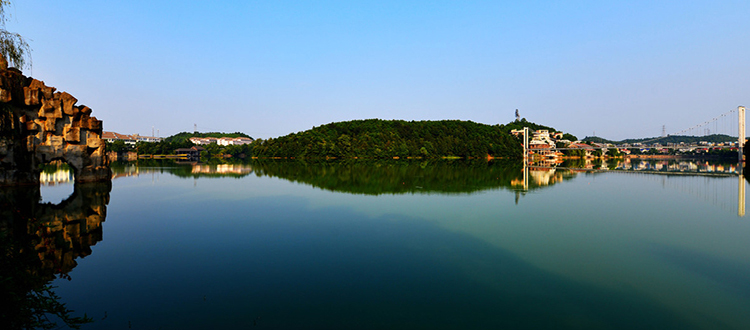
<point>223,141</point>
<point>226,141</point>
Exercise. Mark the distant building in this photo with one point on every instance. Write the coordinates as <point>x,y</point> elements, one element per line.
<point>128,139</point>
<point>151,139</point>
<point>112,137</point>
<point>222,141</point>
<point>203,140</point>
<point>226,141</point>
<point>192,153</point>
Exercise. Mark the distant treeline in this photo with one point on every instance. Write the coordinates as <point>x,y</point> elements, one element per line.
<point>168,145</point>
<point>370,138</point>
<point>714,138</point>
<point>375,138</point>
<point>185,136</point>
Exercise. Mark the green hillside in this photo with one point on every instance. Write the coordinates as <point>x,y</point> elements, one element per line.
<point>375,138</point>
<point>184,136</point>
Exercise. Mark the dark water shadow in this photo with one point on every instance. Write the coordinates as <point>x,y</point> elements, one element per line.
<point>41,242</point>
<point>729,275</point>
<point>332,268</point>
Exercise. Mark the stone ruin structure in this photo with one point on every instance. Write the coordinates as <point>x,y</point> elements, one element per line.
<point>39,125</point>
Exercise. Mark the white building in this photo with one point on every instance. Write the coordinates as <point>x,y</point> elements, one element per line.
<point>226,141</point>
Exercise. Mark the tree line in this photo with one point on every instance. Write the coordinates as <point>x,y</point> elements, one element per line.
<point>370,138</point>
<point>376,138</point>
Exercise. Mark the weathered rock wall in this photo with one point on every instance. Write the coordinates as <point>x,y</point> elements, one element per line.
<point>38,125</point>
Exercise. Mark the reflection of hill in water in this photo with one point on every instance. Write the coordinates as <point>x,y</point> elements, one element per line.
<point>183,170</point>
<point>369,177</point>
<point>41,242</point>
<point>399,177</point>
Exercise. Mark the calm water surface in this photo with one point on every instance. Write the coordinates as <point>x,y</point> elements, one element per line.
<point>413,246</point>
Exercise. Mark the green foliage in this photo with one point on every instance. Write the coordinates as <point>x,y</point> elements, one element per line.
<point>13,47</point>
<point>118,146</point>
<point>161,148</point>
<point>574,153</point>
<point>184,136</point>
<point>614,152</point>
<point>375,138</point>
<point>569,137</point>
<point>376,177</point>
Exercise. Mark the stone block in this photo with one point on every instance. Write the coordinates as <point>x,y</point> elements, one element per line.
<point>36,84</point>
<point>85,110</point>
<point>68,102</point>
<point>93,142</point>
<point>56,142</point>
<point>51,108</point>
<point>31,142</point>
<point>47,92</point>
<point>84,122</point>
<point>32,126</point>
<point>95,124</point>
<point>49,125</point>
<point>72,134</point>
<point>5,95</point>
<point>31,96</point>
<point>73,151</point>
<point>44,149</point>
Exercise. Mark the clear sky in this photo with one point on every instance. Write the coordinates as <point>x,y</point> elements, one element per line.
<point>268,68</point>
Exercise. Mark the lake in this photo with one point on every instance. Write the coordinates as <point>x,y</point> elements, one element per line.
<point>397,245</point>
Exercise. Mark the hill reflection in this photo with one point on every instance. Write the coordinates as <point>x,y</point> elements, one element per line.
<point>41,242</point>
<point>416,177</point>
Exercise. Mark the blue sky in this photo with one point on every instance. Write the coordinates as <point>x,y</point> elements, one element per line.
<point>269,68</point>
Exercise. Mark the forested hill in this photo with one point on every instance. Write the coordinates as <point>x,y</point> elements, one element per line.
<point>375,138</point>
<point>184,136</point>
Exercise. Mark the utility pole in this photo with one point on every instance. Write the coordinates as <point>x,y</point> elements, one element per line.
<point>195,128</point>
<point>525,144</point>
<point>525,158</point>
<point>741,134</point>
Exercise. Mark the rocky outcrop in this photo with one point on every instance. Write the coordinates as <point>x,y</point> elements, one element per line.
<point>39,125</point>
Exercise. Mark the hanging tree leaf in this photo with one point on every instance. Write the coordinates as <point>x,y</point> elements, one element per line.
<point>13,47</point>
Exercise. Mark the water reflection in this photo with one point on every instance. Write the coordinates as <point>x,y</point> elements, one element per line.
<point>41,242</point>
<point>55,175</point>
<point>676,166</point>
<point>181,169</point>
